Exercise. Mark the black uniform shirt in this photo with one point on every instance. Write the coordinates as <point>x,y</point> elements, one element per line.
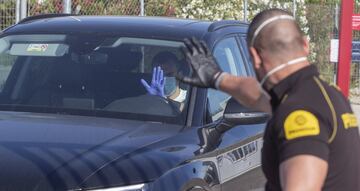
<point>314,118</point>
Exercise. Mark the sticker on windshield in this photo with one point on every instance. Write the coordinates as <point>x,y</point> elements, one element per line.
<point>37,47</point>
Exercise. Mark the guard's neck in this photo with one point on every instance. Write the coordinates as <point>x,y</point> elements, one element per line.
<point>282,74</point>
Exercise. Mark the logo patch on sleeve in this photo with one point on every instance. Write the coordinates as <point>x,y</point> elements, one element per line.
<point>350,120</point>
<point>301,123</point>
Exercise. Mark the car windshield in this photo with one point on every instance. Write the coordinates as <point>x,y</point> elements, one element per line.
<point>106,76</point>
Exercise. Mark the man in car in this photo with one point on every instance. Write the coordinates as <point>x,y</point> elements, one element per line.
<point>165,66</point>
<point>312,140</point>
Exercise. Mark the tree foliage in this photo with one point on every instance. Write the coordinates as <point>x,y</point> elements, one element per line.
<point>210,9</point>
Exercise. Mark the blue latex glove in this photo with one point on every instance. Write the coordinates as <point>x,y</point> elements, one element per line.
<point>157,83</point>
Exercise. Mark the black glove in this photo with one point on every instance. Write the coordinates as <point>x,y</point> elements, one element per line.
<point>206,71</point>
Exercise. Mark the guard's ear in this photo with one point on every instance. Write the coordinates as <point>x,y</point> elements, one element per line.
<point>306,45</point>
<point>255,57</point>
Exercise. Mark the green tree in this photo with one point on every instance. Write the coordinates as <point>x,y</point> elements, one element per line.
<point>7,13</point>
<point>210,9</point>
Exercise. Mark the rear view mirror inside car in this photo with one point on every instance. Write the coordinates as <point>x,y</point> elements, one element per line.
<point>95,58</point>
<point>39,49</point>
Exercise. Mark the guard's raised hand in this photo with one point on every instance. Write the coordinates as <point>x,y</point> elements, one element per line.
<point>206,72</point>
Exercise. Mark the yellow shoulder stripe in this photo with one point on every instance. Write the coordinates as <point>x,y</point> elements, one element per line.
<point>301,123</point>
<point>332,109</point>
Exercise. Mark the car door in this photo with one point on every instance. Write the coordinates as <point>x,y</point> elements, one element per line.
<point>239,152</point>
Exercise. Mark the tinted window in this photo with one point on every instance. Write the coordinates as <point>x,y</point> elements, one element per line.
<point>246,53</point>
<point>90,74</point>
<point>228,56</point>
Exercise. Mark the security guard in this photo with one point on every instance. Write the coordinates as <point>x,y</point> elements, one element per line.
<point>312,140</point>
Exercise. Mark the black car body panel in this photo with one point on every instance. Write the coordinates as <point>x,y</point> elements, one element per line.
<point>62,151</point>
<point>58,149</point>
<point>163,28</point>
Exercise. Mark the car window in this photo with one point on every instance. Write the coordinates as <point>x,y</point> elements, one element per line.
<point>246,53</point>
<point>7,61</point>
<point>228,56</point>
<point>88,74</point>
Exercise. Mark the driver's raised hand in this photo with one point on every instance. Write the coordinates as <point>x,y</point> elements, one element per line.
<point>206,73</point>
<point>157,83</point>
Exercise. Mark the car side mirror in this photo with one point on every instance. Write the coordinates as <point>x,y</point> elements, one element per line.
<point>234,114</point>
<point>237,114</point>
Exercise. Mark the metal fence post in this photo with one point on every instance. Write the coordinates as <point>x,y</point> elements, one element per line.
<point>294,8</point>
<point>23,9</point>
<point>142,8</point>
<point>337,16</point>
<point>67,6</point>
<point>245,10</point>
<point>17,11</point>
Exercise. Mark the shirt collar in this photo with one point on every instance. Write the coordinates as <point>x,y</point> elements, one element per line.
<point>285,85</point>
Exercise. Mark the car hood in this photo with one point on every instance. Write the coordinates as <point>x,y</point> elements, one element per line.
<point>58,152</point>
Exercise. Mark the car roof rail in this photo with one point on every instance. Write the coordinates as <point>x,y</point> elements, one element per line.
<point>45,16</point>
<point>225,23</point>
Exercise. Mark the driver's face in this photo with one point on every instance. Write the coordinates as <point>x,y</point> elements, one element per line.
<point>169,68</point>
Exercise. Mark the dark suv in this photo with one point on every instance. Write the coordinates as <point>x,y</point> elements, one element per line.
<point>76,114</point>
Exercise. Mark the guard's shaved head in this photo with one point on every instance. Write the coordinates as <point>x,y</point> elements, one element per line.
<point>279,37</point>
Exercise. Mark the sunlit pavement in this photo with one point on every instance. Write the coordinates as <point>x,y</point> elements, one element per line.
<point>356,109</point>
